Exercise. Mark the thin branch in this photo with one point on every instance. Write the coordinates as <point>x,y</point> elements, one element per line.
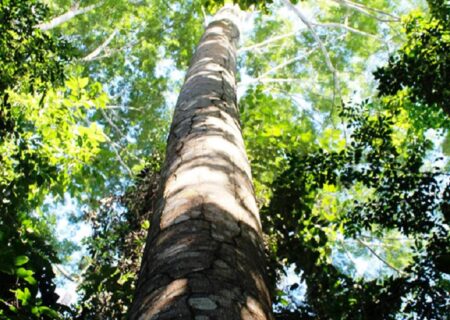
<point>282,65</point>
<point>73,12</point>
<point>277,80</point>
<point>268,41</point>
<point>205,17</point>
<point>353,30</point>
<point>343,26</point>
<point>94,54</point>
<point>112,124</point>
<point>113,107</point>
<point>360,5</point>
<point>118,156</point>
<point>262,78</point>
<point>108,53</point>
<point>319,42</point>
<point>65,273</point>
<point>387,238</point>
<point>88,264</point>
<point>379,257</point>
<point>348,254</point>
<point>365,10</point>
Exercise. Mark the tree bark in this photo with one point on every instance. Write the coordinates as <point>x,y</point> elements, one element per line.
<point>204,256</point>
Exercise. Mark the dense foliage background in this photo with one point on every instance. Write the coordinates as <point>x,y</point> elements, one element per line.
<point>345,114</point>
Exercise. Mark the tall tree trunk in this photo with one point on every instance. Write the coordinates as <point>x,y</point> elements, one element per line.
<point>204,255</point>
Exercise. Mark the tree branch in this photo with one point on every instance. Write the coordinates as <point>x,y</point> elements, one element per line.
<point>277,80</point>
<point>112,124</point>
<point>110,52</point>
<point>360,5</point>
<point>353,30</point>
<point>280,66</point>
<point>348,253</point>
<point>365,10</point>
<point>268,41</point>
<point>73,12</point>
<point>318,41</point>
<point>118,156</point>
<point>114,107</point>
<point>286,63</point>
<point>379,257</point>
<point>387,238</point>
<point>94,54</point>
<point>65,273</point>
<point>343,26</point>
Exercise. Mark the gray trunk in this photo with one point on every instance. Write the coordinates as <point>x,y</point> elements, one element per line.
<point>204,255</point>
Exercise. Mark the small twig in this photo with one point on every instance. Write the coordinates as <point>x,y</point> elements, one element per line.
<point>379,257</point>
<point>205,17</point>
<point>388,239</point>
<point>110,52</point>
<point>353,30</point>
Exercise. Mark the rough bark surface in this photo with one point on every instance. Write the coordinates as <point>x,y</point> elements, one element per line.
<point>204,254</point>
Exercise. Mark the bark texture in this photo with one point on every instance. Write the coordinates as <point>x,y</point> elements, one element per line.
<point>204,255</point>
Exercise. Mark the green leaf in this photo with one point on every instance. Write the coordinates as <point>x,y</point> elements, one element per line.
<point>27,275</point>
<point>145,224</point>
<point>21,260</point>
<point>284,302</point>
<point>72,84</point>
<point>43,310</point>
<point>125,277</point>
<point>82,82</point>
<point>24,296</point>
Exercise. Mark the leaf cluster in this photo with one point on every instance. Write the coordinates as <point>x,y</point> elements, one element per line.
<point>422,65</point>
<point>43,147</point>
<point>31,62</point>
<point>403,198</point>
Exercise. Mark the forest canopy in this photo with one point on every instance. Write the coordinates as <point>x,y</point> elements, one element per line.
<point>344,111</point>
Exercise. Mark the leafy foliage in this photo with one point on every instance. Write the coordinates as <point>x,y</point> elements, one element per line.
<point>30,62</point>
<point>403,198</point>
<point>422,65</point>
<point>42,146</point>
